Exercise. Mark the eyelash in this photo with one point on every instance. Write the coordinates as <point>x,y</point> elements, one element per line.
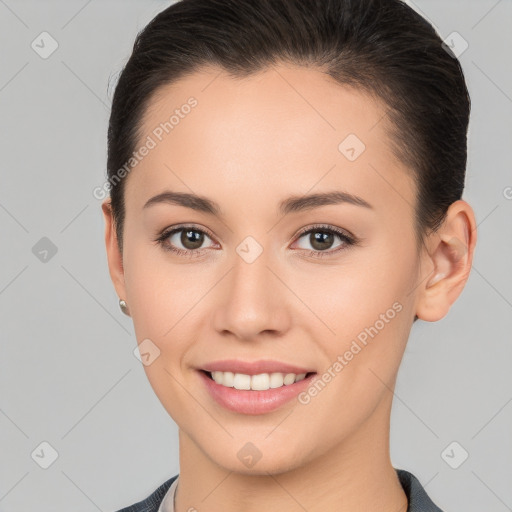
<point>190,253</point>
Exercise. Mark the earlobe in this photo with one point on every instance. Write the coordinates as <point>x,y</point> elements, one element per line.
<point>114,257</point>
<point>450,258</point>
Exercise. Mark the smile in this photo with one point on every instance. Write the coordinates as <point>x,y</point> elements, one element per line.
<point>260,382</point>
<point>254,394</point>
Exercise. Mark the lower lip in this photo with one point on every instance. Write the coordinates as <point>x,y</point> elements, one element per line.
<point>247,401</point>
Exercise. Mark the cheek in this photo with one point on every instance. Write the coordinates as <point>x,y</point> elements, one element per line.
<point>351,296</point>
<point>149,297</point>
<point>154,288</point>
<point>363,340</point>
<point>365,308</point>
<point>167,305</point>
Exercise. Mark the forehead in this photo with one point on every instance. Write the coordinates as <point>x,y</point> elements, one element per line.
<point>283,125</point>
<point>302,101</point>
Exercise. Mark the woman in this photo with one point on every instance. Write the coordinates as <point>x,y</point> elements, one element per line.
<point>285,202</point>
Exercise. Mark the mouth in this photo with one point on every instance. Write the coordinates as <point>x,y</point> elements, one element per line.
<point>259,382</point>
<point>253,394</point>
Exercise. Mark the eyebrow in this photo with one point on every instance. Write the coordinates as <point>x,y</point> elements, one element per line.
<point>291,205</point>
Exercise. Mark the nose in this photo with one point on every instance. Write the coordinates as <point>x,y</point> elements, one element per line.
<point>252,301</point>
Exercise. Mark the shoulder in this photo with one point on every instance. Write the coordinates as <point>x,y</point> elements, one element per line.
<point>419,501</point>
<point>152,502</point>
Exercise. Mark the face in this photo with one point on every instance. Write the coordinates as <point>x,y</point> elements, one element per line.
<point>321,284</point>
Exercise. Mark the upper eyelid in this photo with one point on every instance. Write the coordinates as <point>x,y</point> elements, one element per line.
<point>171,231</point>
<point>325,227</point>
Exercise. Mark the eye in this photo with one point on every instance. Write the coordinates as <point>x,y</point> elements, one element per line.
<point>189,238</point>
<point>322,237</point>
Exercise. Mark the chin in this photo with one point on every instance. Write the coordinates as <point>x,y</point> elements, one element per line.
<point>258,458</point>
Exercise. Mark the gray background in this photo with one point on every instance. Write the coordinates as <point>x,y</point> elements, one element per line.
<point>68,375</point>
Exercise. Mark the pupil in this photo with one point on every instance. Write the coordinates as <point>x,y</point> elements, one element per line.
<point>321,240</point>
<point>191,239</point>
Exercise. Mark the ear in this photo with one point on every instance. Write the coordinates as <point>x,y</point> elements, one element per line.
<point>449,260</point>
<point>114,256</point>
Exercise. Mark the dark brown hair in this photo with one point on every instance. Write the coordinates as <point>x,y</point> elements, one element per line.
<point>382,47</point>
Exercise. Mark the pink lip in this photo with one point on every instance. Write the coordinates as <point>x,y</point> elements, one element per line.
<point>247,401</point>
<point>253,368</point>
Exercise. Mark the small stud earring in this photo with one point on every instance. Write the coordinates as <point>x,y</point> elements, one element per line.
<point>124,307</point>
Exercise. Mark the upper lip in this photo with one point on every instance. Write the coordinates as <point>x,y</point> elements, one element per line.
<point>254,367</point>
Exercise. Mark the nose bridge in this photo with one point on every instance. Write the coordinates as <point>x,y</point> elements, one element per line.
<point>253,300</point>
<point>250,273</point>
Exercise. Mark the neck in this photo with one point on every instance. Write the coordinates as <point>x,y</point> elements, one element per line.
<point>355,474</point>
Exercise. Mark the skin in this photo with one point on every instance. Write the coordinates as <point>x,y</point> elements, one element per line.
<point>248,144</point>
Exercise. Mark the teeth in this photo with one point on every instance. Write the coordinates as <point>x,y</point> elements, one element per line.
<point>260,382</point>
